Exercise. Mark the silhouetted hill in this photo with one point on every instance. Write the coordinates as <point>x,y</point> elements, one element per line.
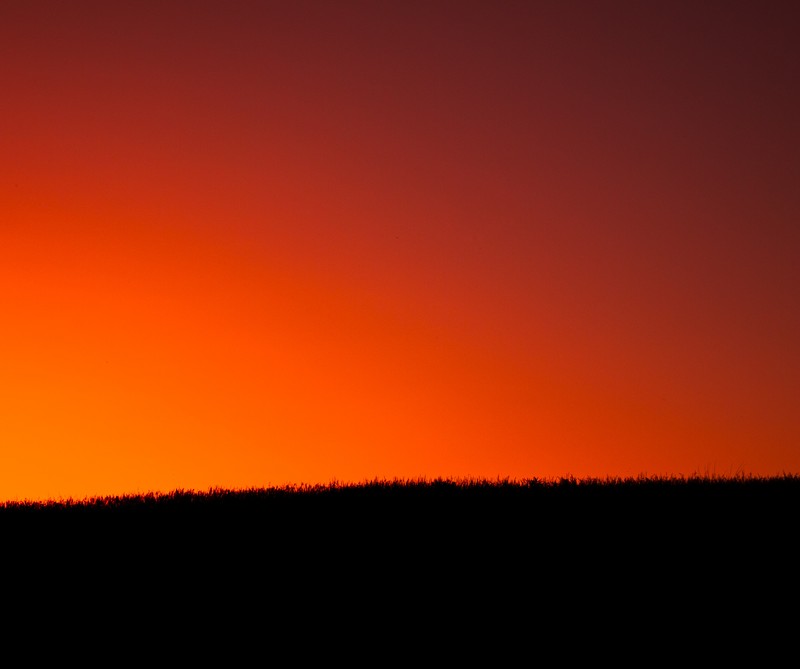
<point>442,514</point>
<point>402,560</point>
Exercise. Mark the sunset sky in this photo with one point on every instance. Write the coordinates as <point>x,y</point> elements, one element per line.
<point>248,243</point>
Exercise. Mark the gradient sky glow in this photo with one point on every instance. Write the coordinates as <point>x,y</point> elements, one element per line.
<point>256,243</point>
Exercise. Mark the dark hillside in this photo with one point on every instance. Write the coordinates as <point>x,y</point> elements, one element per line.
<point>441,514</point>
<point>404,559</point>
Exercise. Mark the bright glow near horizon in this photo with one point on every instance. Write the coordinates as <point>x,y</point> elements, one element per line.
<point>250,244</point>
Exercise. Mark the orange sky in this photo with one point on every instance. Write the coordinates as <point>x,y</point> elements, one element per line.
<point>259,243</point>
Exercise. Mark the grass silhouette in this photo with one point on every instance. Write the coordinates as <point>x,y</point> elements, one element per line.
<point>668,490</point>
<point>447,514</point>
<point>401,558</point>
<point>629,499</point>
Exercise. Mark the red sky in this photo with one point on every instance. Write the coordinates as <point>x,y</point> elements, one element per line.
<point>259,243</point>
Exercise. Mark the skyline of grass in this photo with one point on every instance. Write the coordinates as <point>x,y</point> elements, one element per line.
<point>458,484</point>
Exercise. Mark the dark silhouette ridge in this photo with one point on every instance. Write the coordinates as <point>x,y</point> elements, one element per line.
<point>386,555</point>
<point>435,488</point>
<point>436,512</point>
